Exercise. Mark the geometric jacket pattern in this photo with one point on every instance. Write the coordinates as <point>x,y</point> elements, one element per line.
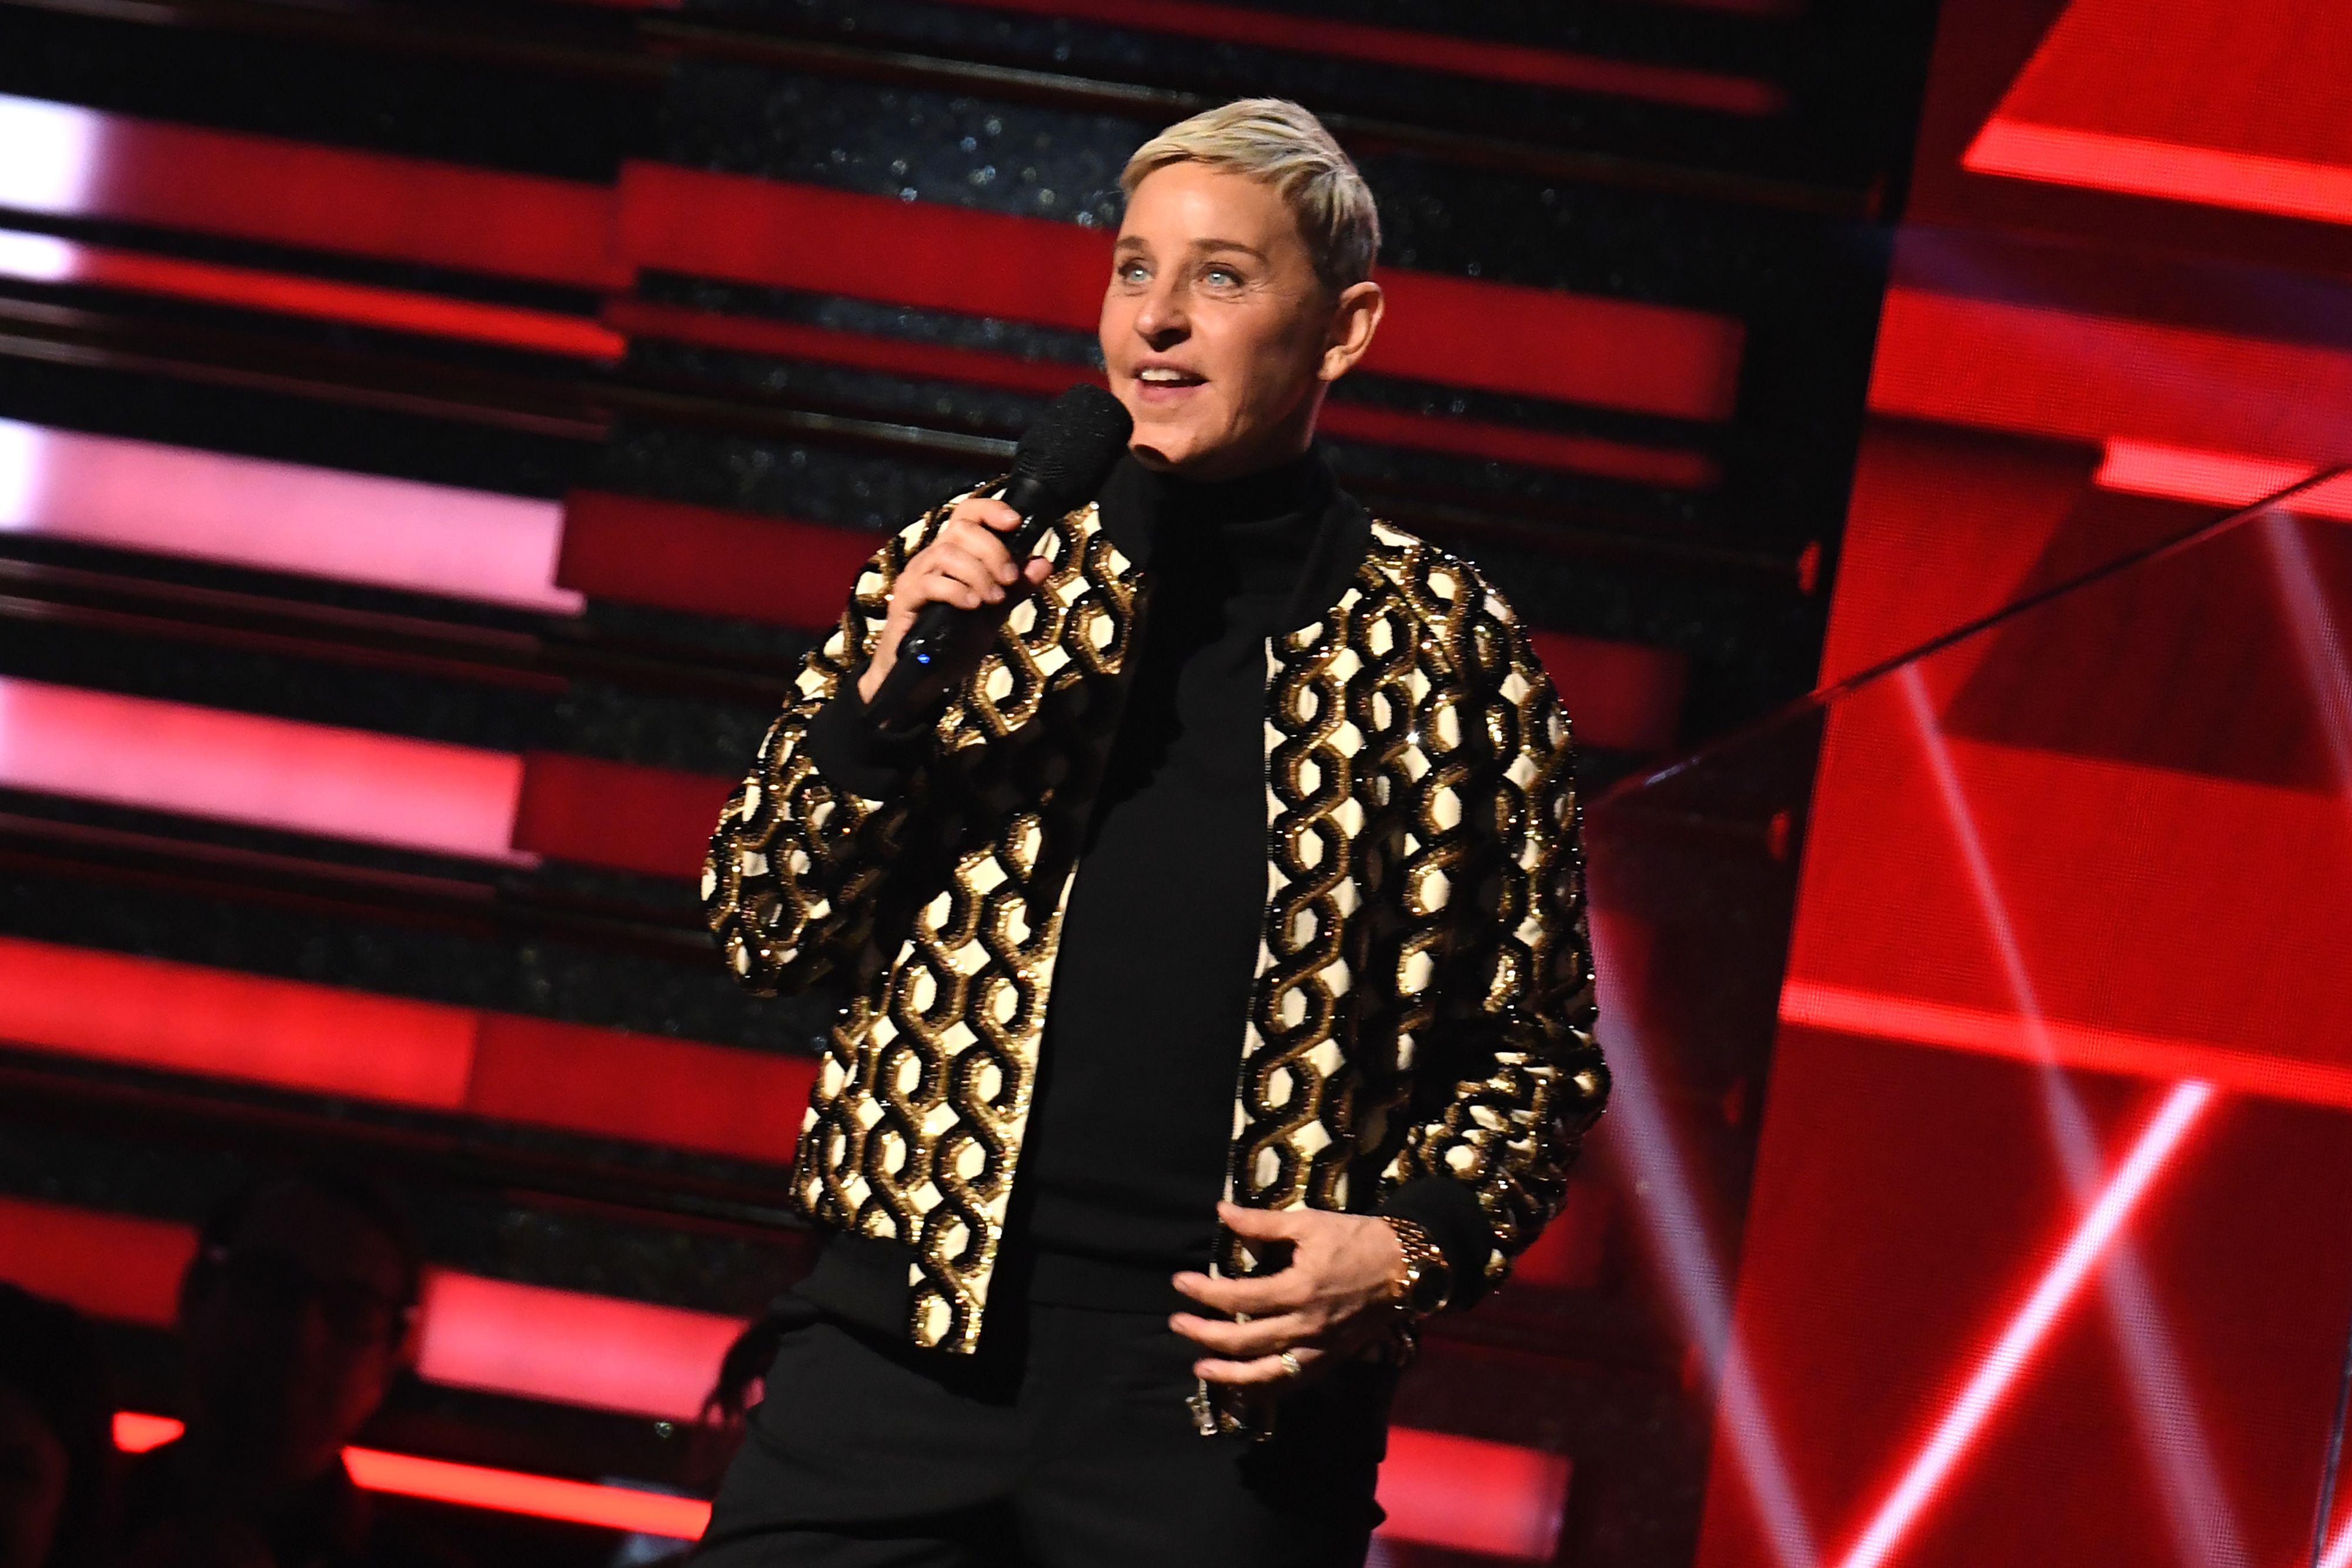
<point>1422,1004</point>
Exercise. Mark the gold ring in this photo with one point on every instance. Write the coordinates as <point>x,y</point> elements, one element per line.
<point>1290,1364</point>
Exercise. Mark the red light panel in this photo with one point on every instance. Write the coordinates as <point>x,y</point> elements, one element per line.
<point>1468,1495</point>
<point>569,1348</point>
<point>268,772</point>
<point>216,1023</point>
<point>68,162</point>
<point>652,820</point>
<point>115,1266</point>
<point>269,516</point>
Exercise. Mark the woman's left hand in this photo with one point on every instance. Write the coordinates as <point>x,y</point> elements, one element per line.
<point>1335,1298</point>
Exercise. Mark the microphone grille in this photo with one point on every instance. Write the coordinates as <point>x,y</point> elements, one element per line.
<point>1069,451</point>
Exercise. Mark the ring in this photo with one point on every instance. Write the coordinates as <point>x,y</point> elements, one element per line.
<point>1290,1364</point>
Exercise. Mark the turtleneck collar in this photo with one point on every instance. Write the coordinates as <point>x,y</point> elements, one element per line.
<point>1286,537</point>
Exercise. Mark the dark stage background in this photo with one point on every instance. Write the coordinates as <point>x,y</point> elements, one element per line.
<point>431,434</point>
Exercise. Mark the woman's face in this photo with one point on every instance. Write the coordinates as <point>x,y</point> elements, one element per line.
<point>1218,335</point>
<point>33,1474</point>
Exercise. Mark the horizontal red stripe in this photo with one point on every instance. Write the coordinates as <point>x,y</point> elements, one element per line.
<point>643,1088</point>
<point>281,516</point>
<point>2218,478</point>
<point>653,820</point>
<point>2141,166</point>
<point>478,1486</point>
<point>1353,421</point>
<point>703,559</point>
<point>113,1265</point>
<point>182,1018</point>
<point>248,768</point>
<point>570,1348</point>
<point>2045,371</point>
<point>77,162</point>
<point>1653,359</point>
<point>1326,37</point>
<point>45,258</point>
<point>330,1041</point>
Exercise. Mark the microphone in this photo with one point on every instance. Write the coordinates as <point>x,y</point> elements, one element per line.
<point>1061,463</point>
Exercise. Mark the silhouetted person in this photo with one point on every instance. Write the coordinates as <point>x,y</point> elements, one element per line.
<point>297,1314</point>
<point>56,1445</point>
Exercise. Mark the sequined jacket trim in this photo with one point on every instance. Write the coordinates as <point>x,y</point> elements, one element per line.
<point>1423,1005</point>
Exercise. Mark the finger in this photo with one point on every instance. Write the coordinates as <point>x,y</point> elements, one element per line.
<point>1243,1341</point>
<point>1262,1297</point>
<point>982,546</point>
<point>1036,569</point>
<point>1266,1224</point>
<point>1257,1372</point>
<point>970,569</point>
<point>987,511</point>
<point>935,585</point>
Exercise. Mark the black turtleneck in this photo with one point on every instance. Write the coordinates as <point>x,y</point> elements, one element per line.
<point>1124,1158</point>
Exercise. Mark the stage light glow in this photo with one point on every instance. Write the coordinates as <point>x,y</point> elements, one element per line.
<point>268,772</point>
<point>2143,166</point>
<point>2152,1151</point>
<point>2204,1524</point>
<point>282,516</point>
<point>1679,1238</point>
<point>48,154</point>
<point>1468,1495</point>
<point>36,259</point>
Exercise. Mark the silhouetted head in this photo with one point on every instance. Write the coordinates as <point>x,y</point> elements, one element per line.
<point>296,1316</point>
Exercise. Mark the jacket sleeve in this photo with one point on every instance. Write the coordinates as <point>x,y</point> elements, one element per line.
<point>804,844</point>
<point>1486,1165</point>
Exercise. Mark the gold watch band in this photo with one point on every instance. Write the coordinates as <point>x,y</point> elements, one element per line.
<point>1427,1282</point>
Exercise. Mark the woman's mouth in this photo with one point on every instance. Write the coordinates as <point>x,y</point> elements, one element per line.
<point>1166,384</point>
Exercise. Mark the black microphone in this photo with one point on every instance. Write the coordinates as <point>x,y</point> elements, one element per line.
<point>1060,463</point>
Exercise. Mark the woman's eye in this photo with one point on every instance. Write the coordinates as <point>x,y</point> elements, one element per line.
<point>1133,272</point>
<point>1222,277</point>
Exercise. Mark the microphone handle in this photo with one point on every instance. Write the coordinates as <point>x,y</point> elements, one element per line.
<point>939,624</point>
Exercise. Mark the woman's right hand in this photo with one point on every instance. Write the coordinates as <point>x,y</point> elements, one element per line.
<point>967,565</point>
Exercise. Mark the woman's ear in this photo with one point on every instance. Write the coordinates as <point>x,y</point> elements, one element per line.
<point>1355,316</point>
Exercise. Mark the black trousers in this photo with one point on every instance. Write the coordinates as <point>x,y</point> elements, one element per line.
<point>1063,1442</point>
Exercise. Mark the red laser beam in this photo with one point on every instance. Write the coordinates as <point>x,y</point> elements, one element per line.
<point>1990,1387</point>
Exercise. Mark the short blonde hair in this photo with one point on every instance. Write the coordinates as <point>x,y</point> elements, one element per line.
<point>1276,140</point>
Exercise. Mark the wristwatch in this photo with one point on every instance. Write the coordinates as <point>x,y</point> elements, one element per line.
<point>1428,1281</point>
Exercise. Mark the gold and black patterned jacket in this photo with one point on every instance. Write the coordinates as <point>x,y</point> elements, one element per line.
<point>1421,1019</point>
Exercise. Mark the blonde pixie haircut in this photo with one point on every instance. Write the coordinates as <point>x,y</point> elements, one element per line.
<point>1275,141</point>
